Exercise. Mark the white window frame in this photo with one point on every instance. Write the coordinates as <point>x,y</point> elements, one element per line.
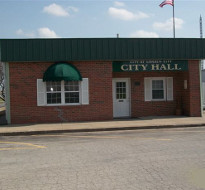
<point>63,95</point>
<point>49,92</point>
<point>164,88</point>
<point>83,94</point>
<point>167,87</point>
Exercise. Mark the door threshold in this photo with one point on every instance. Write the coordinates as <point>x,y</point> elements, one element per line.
<point>123,118</point>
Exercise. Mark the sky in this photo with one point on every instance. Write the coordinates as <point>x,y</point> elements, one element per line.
<point>99,19</point>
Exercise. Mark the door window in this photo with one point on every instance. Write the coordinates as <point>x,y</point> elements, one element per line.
<point>120,90</point>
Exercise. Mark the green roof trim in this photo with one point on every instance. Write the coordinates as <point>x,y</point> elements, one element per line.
<point>104,49</point>
<point>62,71</point>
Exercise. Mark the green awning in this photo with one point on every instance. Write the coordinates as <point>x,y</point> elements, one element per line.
<point>62,71</point>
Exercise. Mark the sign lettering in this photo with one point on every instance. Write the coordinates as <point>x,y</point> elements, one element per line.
<point>150,65</point>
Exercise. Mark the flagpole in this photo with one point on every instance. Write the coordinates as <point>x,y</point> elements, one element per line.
<point>173,21</point>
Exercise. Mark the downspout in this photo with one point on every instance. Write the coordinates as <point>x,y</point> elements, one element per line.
<point>7,92</point>
<point>201,91</point>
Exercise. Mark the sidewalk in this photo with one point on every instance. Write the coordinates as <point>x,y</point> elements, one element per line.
<point>126,124</point>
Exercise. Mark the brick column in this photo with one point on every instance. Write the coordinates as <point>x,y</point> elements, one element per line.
<point>194,89</point>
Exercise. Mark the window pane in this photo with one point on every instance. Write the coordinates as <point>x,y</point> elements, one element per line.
<point>120,90</point>
<point>157,84</point>
<point>157,94</point>
<point>53,98</point>
<point>157,89</point>
<point>53,86</point>
<point>71,86</point>
<point>72,97</point>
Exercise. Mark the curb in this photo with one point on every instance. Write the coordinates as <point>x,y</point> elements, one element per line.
<point>22,133</point>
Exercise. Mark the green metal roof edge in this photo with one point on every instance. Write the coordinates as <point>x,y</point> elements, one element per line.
<point>104,49</point>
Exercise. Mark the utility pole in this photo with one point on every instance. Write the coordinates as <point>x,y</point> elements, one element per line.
<point>201,29</point>
<point>173,20</point>
<point>201,36</point>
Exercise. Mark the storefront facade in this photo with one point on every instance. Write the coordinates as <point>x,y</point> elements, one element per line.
<point>66,80</point>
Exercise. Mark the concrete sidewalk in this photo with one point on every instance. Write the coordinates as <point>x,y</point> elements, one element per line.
<point>126,124</point>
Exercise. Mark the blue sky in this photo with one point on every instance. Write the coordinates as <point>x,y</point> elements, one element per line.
<point>100,18</point>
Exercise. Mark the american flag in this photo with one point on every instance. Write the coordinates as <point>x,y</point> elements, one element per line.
<point>167,2</point>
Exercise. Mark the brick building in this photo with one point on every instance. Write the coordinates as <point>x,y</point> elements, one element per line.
<point>65,80</point>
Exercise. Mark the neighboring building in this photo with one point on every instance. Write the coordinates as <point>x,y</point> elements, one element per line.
<point>65,80</point>
<point>203,87</point>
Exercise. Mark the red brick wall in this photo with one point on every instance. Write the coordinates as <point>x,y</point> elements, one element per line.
<point>140,107</point>
<point>189,98</point>
<point>23,94</point>
<point>194,89</point>
<point>184,94</point>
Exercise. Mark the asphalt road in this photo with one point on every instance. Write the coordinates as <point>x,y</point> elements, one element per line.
<point>165,159</point>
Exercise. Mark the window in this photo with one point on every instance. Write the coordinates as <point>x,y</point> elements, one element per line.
<point>53,91</point>
<point>158,88</point>
<point>120,90</point>
<point>62,92</point>
<point>72,92</point>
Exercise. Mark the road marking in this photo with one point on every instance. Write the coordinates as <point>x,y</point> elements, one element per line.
<point>19,148</point>
<point>197,178</point>
<point>28,145</point>
<point>49,135</point>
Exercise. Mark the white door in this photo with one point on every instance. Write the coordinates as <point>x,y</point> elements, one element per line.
<point>121,97</point>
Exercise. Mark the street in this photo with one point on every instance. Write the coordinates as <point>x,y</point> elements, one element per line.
<point>162,159</point>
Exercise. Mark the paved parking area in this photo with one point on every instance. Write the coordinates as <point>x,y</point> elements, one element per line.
<point>143,160</point>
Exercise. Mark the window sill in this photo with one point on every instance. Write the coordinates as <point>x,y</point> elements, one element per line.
<point>158,100</point>
<point>51,105</point>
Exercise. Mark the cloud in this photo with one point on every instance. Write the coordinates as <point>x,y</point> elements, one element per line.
<point>119,4</point>
<point>20,32</point>
<point>144,34</point>
<point>74,9</point>
<point>46,33</point>
<point>124,14</point>
<point>168,24</point>
<point>39,33</point>
<point>56,10</point>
